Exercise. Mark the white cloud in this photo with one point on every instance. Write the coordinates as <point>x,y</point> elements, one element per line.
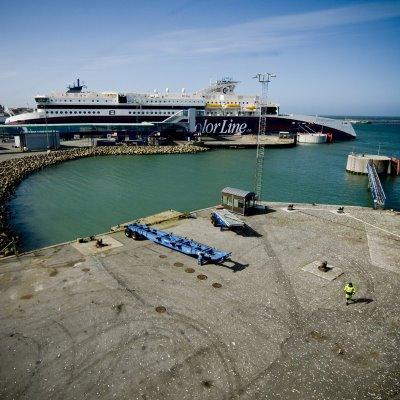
<point>7,75</point>
<point>265,35</point>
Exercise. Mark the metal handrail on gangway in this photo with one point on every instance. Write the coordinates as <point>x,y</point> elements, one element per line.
<point>306,129</point>
<point>377,192</point>
<point>202,252</point>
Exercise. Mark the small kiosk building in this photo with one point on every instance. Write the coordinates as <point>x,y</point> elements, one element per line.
<point>237,200</point>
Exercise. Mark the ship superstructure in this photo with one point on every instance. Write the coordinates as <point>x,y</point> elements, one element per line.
<point>219,110</point>
<point>3,114</point>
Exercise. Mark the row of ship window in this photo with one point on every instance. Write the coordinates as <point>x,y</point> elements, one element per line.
<point>152,112</point>
<point>72,112</point>
<point>228,102</point>
<point>98,112</point>
<point>147,101</point>
<point>57,101</point>
<point>173,101</point>
<point>164,101</point>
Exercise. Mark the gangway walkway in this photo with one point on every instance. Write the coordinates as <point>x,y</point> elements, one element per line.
<point>307,129</point>
<point>179,116</point>
<point>377,192</point>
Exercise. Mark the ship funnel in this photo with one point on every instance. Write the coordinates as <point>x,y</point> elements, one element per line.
<point>183,90</point>
<point>166,90</point>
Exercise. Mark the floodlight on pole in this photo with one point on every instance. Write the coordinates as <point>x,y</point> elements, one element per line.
<point>264,79</point>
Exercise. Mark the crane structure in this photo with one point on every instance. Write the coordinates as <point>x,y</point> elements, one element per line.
<point>264,79</point>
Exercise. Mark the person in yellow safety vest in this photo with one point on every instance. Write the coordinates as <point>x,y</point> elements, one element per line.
<point>349,290</point>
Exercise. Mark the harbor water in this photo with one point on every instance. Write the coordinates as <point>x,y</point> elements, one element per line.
<point>88,196</point>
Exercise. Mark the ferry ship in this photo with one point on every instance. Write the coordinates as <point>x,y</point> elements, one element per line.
<point>219,111</point>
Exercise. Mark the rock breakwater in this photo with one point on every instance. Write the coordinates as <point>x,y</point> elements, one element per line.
<point>13,171</point>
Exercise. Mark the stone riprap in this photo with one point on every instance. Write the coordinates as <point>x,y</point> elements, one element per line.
<point>13,171</point>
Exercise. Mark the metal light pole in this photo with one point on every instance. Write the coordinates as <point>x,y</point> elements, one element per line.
<point>264,79</point>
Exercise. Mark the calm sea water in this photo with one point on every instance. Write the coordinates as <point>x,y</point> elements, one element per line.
<point>88,196</point>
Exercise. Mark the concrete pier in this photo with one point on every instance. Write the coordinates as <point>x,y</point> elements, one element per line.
<point>248,141</point>
<point>357,163</point>
<point>135,320</point>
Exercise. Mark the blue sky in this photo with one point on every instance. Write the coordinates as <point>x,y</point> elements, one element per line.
<point>330,57</point>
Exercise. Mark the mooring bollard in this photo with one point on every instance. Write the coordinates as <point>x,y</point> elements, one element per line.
<point>324,266</point>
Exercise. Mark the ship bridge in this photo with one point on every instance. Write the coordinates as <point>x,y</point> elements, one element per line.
<point>222,86</point>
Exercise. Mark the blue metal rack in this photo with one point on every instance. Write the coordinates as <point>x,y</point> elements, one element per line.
<point>202,252</point>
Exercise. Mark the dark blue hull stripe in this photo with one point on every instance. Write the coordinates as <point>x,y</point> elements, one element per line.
<point>207,126</point>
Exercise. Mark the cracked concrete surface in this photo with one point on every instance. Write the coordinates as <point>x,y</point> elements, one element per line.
<point>83,326</point>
